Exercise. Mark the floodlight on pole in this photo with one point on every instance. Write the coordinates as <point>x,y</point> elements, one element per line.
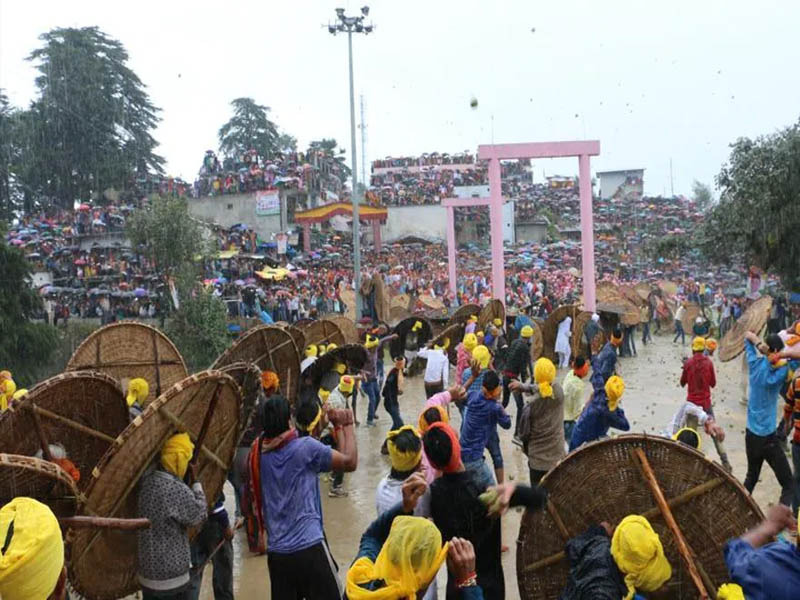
<point>350,25</point>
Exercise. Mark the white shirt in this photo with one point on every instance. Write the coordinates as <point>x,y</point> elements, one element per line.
<point>390,493</point>
<point>438,368</point>
<point>679,313</point>
<point>688,408</point>
<point>307,362</point>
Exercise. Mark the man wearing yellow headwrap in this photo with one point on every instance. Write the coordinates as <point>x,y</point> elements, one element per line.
<point>369,373</point>
<point>32,552</point>
<point>399,555</point>
<point>601,413</point>
<point>472,324</point>
<point>612,564</point>
<point>164,556</point>
<point>541,428</point>
<point>310,357</point>
<point>7,390</point>
<point>766,569</point>
<point>464,354</point>
<point>138,391</point>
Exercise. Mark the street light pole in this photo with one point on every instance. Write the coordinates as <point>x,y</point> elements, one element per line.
<point>351,25</point>
<point>354,196</point>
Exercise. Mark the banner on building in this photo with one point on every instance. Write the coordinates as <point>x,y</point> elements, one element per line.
<point>268,203</point>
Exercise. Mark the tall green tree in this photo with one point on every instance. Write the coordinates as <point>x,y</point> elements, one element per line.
<point>248,129</point>
<point>7,151</point>
<point>702,195</point>
<point>756,217</point>
<point>26,344</point>
<point>167,233</point>
<point>91,126</point>
<point>329,151</point>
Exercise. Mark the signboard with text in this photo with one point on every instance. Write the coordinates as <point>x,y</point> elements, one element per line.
<point>268,203</point>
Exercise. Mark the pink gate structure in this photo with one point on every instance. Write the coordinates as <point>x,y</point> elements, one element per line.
<point>494,153</point>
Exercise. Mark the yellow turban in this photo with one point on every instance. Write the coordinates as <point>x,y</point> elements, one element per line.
<point>730,591</point>
<point>407,563</point>
<point>311,351</point>
<point>32,556</point>
<point>444,345</point>
<point>473,318</point>
<point>470,341</point>
<point>614,387</point>
<point>346,384</point>
<point>482,355</point>
<point>544,371</point>
<point>7,390</point>
<point>138,391</point>
<point>526,331</point>
<point>321,349</point>
<point>330,347</point>
<point>402,461</point>
<point>176,453</point>
<point>497,322</point>
<point>638,552</point>
<point>696,435</point>
<point>423,422</point>
<point>340,368</point>
<point>371,342</point>
<point>698,344</point>
<point>323,395</point>
<point>417,326</point>
<point>19,394</point>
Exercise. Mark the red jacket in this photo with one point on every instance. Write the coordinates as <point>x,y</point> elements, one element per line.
<point>698,374</point>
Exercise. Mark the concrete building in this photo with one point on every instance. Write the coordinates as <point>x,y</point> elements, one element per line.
<point>625,181</point>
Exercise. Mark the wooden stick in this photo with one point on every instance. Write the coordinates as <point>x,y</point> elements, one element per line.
<point>127,363</point>
<point>158,370</point>
<point>669,518</point>
<point>551,508</point>
<point>201,437</point>
<point>184,427</point>
<point>37,424</point>
<point>652,514</point>
<point>104,523</point>
<point>72,424</point>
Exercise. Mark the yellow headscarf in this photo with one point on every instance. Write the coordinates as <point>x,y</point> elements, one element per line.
<point>402,461</point>
<point>340,368</point>
<point>417,326</point>
<point>526,332</point>
<point>408,561</point>
<point>544,371</point>
<point>371,342</point>
<point>176,453</point>
<point>311,351</point>
<point>482,355</point>
<point>682,429</point>
<point>330,347</point>
<point>7,390</point>
<point>730,591</point>
<point>423,422</point>
<point>33,560</point>
<point>698,344</point>
<point>315,422</point>
<point>470,341</point>
<point>323,395</point>
<point>346,384</point>
<point>497,322</point>
<point>638,552</point>
<point>138,391</point>
<point>19,394</point>
<point>614,387</point>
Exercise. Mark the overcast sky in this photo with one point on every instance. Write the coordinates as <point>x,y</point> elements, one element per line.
<point>652,81</point>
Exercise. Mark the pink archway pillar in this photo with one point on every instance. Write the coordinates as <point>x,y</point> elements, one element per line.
<point>494,153</point>
<point>307,238</point>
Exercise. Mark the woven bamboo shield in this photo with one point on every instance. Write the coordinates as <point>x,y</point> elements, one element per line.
<point>493,310</point>
<point>381,298</point>
<point>753,319</point>
<point>397,314</point>
<point>128,349</point>
<point>643,289</point>
<point>464,313</point>
<point>354,356</point>
<point>692,312</point>
<point>39,479</point>
<point>403,328</point>
<point>323,331</point>
<point>248,377</point>
<point>605,481</point>
<point>454,334</point>
<point>578,341</point>
<point>83,411</point>
<point>102,562</point>
<point>270,348</point>
<point>299,340</point>
<point>537,341</point>
<point>346,326</point>
<point>632,315</point>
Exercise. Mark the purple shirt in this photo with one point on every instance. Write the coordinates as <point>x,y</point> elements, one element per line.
<point>290,488</point>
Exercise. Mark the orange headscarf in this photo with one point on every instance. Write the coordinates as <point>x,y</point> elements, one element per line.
<point>270,381</point>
